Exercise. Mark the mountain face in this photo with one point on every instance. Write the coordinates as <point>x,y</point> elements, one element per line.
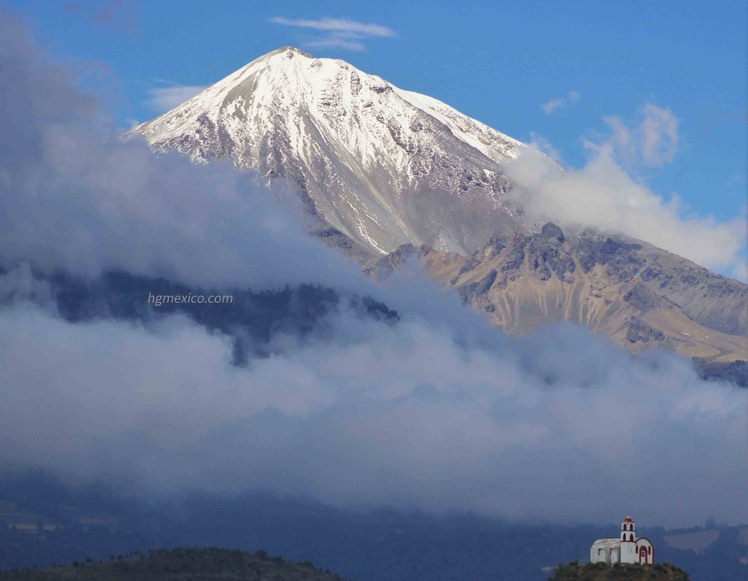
<point>633,292</point>
<point>388,173</point>
<point>376,164</point>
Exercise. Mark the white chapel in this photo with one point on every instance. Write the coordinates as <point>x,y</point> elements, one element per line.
<point>627,549</point>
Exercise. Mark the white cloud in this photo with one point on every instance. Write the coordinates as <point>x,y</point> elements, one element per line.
<point>652,142</point>
<point>659,131</point>
<point>571,98</point>
<point>544,146</point>
<point>162,99</point>
<point>602,194</point>
<point>376,414</point>
<point>340,32</point>
<point>336,41</point>
<point>338,25</point>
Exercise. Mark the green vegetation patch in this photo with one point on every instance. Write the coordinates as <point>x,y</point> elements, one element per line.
<point>602,572</point>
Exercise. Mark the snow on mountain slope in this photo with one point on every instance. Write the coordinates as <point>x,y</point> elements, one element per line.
<point>378,164</point>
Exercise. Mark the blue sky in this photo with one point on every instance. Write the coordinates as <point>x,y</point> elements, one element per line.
<point>549,71</point>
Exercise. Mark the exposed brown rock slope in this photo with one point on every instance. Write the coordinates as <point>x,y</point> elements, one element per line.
<point>635,293</point>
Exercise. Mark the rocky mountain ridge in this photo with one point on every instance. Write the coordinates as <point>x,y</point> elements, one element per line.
<point>637,294</point>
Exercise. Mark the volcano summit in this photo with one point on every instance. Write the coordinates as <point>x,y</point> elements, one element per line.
<point>379,165</point>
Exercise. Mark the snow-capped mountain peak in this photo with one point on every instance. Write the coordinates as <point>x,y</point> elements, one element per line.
<point>380,165</point>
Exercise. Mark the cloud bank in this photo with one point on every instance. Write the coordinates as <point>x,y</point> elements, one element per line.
<point>76,198</point>
<point>558,426</point>
<point>341,33</point>
<point>603,194</point>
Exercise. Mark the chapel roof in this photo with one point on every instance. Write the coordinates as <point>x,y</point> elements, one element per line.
<point>606,543</point>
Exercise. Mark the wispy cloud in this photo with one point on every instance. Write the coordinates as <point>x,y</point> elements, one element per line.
<point>571,98</point>
<point>338,25</point>
<point>162,99</point>
<point>653,141</point>
<point>336,41</point>
<point>606,195</point>
<point>340,33</point>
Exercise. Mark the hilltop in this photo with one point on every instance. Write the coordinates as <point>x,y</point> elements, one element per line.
<point>603,572</point>
<point>212,564</point>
